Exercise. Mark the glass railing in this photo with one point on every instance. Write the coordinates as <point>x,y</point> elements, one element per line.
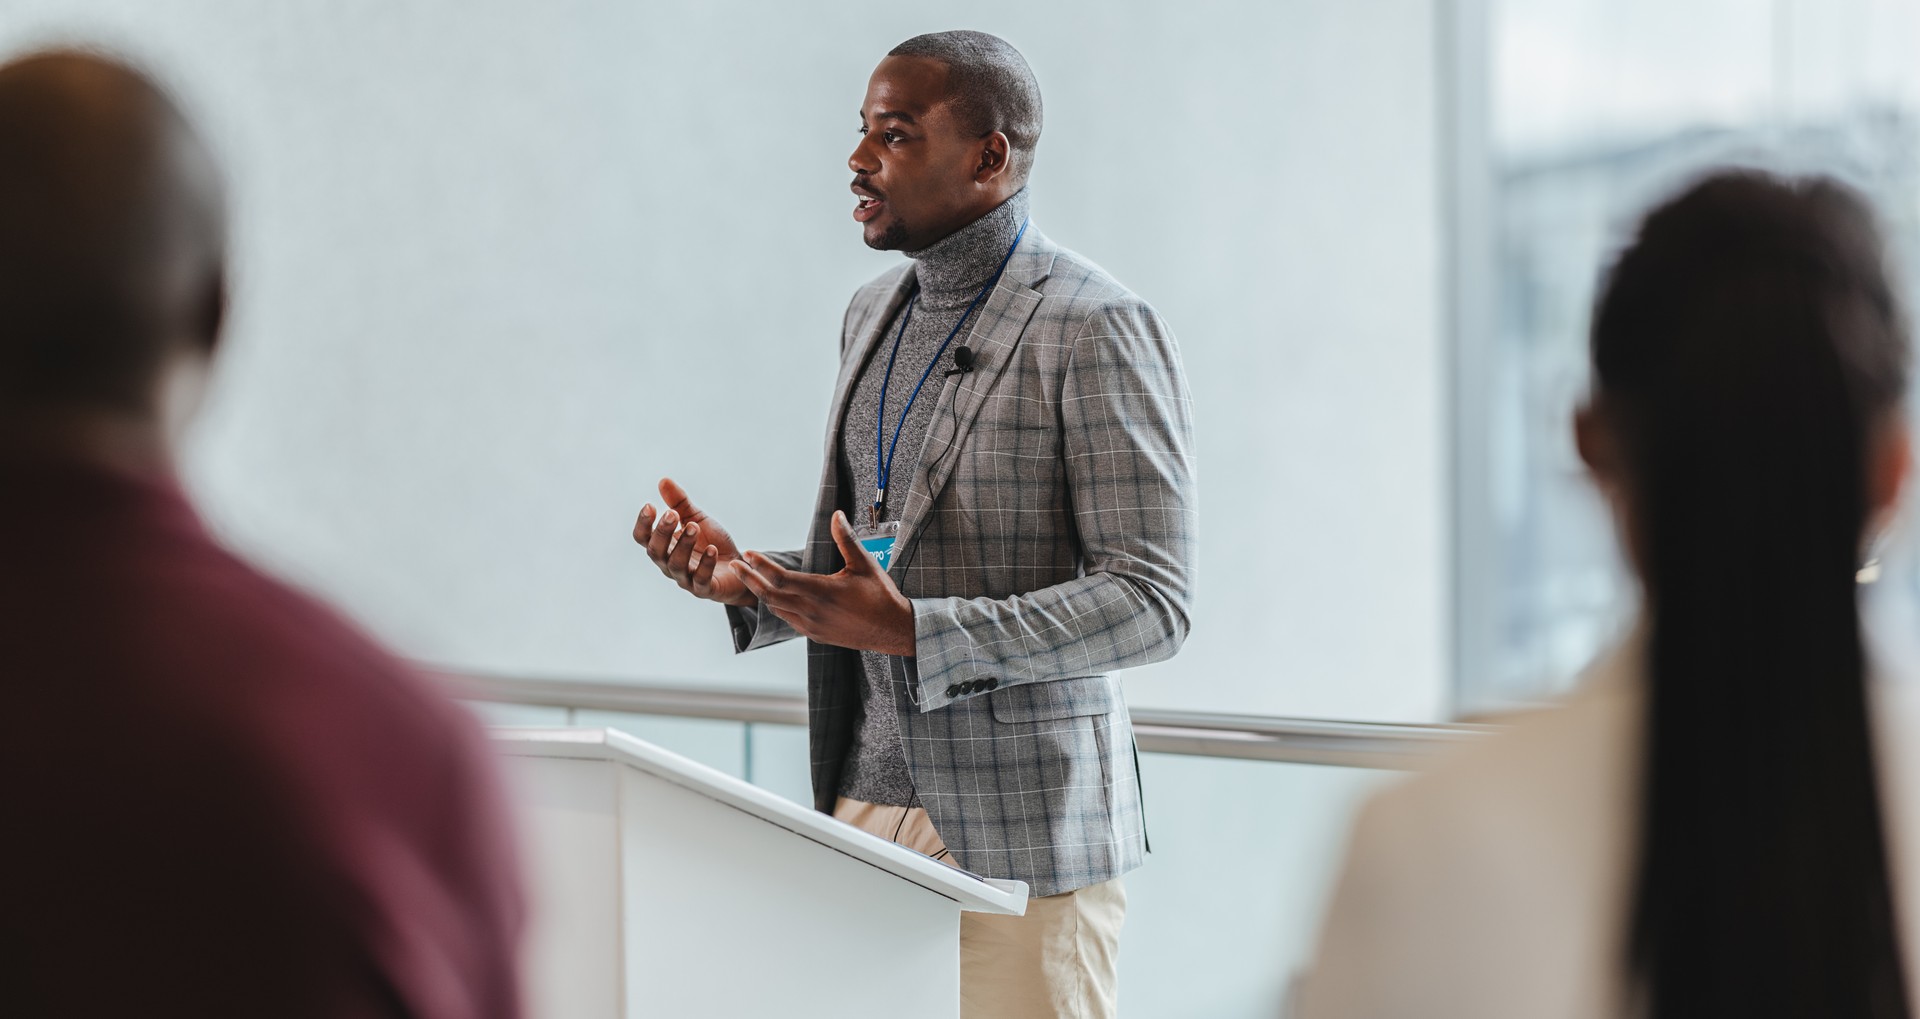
<point>1247,817</point>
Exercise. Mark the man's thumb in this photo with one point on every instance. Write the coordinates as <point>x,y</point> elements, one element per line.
<point>857,558</point>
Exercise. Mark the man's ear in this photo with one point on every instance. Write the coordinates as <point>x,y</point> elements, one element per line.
<point>1890,464</point>
<point>210,313</point>
<point>995,158</point>
<point>1595,441</point>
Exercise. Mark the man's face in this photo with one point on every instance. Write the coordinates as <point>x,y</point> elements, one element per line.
<point>914,170</point>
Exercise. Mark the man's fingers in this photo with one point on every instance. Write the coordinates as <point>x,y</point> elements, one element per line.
<point>801,623</point>
<point>858,559</point>
<point>788,591</point>
<point>676,499</point>
<point>755,582</point>
<point>770,573</point>
<point>662,540</point>
<point>654,532</point>
<point>794,611</point>
<point>705,561</point>
<point>794,597</point>
<point>682,553</point>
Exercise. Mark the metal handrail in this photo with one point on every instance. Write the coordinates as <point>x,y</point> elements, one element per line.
<point>1200,734</point>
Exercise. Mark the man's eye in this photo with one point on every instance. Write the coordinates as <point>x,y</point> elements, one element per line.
<point>863,130</point>
<point>889,137</point>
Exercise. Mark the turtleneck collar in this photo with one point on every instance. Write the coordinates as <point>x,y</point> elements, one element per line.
<point>955,267</point>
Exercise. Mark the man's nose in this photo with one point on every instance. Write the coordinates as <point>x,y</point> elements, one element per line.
<point>861,160</point>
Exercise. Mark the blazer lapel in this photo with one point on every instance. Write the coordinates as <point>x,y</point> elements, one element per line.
<point>820,548</point>
<point>992,335</point>
<point>871,333</point>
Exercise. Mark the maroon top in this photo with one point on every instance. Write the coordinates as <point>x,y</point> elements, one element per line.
<point>216,798</point>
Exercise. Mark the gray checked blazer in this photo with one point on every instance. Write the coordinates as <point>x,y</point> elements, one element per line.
<point>1047,540</point>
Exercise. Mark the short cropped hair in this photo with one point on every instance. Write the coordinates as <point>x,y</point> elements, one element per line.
<point>989,88</point>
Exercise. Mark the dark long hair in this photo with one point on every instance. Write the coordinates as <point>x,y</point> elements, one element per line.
<point>1746,348</point>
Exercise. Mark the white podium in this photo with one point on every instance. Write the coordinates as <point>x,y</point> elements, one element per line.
<point>661,887</point>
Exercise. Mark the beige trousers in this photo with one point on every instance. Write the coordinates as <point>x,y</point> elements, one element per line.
<point>1056,962</point>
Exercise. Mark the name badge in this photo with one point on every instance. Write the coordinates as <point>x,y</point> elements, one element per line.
<point>878,540</point>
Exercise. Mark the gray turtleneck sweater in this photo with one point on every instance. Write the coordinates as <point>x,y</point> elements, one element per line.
<point>948,274</point>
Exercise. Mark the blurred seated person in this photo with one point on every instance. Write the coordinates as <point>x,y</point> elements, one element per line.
<point>1721,820</point>
<point>219,799</point>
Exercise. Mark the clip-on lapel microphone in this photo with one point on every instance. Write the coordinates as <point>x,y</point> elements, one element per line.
<point>962,364</point>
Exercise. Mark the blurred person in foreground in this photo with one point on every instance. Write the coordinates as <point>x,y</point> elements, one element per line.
<point>1005,519</point>
<point>219,799</point>
<point>1720,821</point>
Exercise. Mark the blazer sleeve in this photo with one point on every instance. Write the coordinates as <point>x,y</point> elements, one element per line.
<point>1126,416</point>
<point>756,627</point>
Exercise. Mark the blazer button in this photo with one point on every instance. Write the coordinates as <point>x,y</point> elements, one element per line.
<point>991,683</point>
<point>954,690</point>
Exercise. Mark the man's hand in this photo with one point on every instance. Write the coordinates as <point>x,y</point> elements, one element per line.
<point>857,608</point>
<point>691,547</point>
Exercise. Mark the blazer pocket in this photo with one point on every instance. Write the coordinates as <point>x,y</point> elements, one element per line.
<point>1053,698</point>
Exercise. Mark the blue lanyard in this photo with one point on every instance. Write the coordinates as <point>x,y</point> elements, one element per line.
<point>883,457</point>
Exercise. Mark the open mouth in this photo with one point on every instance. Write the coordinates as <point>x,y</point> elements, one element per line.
<point>868,204</point>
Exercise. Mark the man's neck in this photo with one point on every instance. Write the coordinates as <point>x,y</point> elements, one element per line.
<point>962,262</point>
<point>122,441</point>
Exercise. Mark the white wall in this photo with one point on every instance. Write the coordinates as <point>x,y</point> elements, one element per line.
<point>501,264</point>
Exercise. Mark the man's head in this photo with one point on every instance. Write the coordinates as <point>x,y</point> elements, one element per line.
<point>112,247</point>
<point>948,131</point>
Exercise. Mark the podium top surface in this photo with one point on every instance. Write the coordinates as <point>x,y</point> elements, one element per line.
<point>989,895</point>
